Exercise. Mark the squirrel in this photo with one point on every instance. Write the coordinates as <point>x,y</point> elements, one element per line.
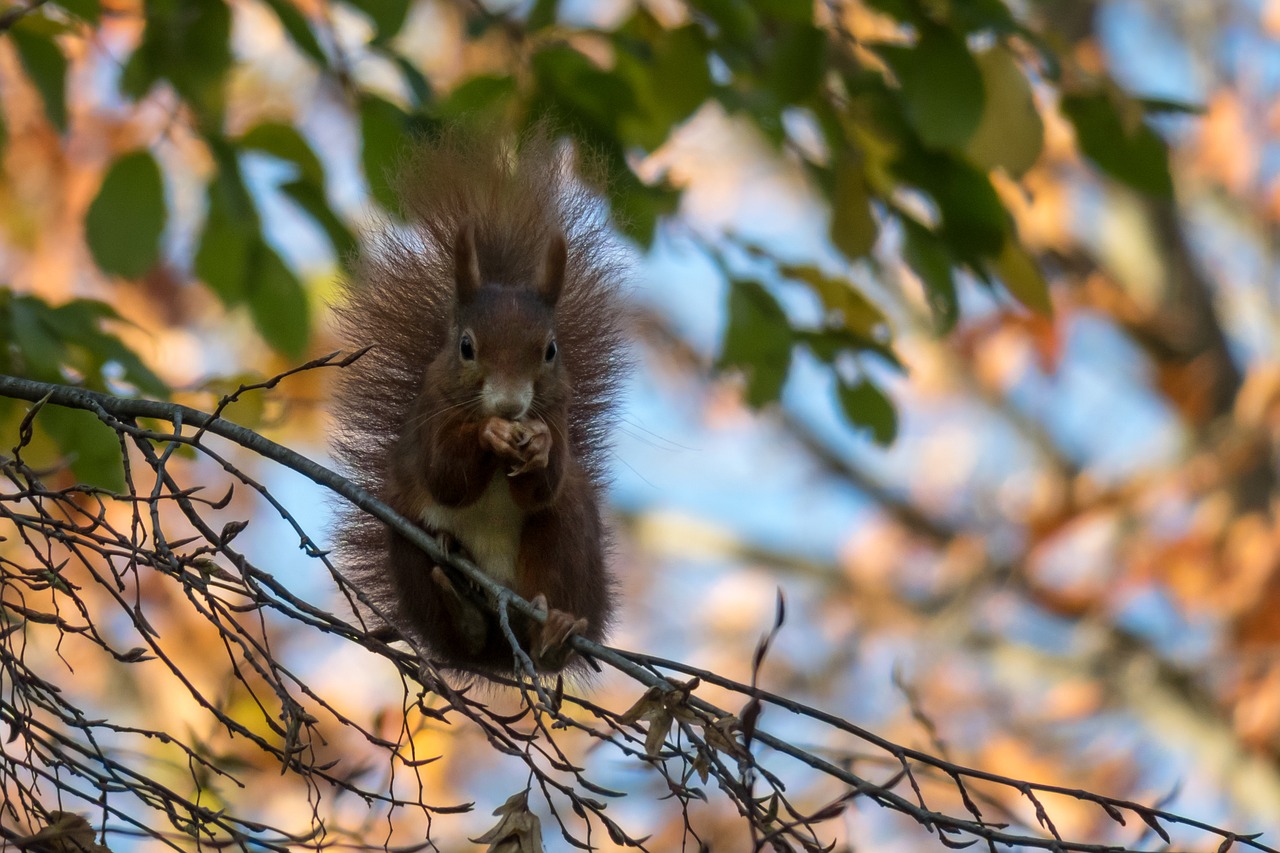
<point>482,410</point>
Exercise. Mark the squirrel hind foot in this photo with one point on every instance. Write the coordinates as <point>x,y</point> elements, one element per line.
<point>551,648</point>
<point>470,622</point>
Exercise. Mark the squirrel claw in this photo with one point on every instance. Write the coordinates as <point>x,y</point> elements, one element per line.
<point>552,649</point>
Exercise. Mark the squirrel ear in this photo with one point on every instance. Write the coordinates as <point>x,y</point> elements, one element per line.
<point>551,278</point>
<point>466,266</point>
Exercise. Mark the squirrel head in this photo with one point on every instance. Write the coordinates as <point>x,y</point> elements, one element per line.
<point>503,341</point>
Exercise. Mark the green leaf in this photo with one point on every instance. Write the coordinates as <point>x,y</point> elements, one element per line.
<point>1022,277</point>
<point>580,91</point>
<point>974,221</point>
<point>797,63</point>
<point>79,323</point>
<point>829,344</point>
<point>668,72</point>
<point>865,405</point>
<point>388,16</point>
<point>230,233</point>
<point>840,298</point>
<point>542,15</point>
<point>186,42</point>
<point>47,68</point>
<point>295,24</point>
<point>973,15</point>
<point>941,85</point>
<point>1011,133</point>
<point>479,94</point>
<point>785,10</point>
<point>91,446</point>
<point>125,220</point>
<point>907,11</point>
<point>311,199</point>
<point>853,226</point>
<point>47,339</point>
<point>925,253</point>
<point>278,303</point>
<point>382,126</point>
<point>42,351</point>
<point>1129,151</point>
<point>285,142</point>
<point>86,10</point>
<point>757,340</point>
<point>637,207</point>
<point>736,21</point>
<point>419,85</point>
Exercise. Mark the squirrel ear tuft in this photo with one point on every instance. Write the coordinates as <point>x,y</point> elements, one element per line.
<point>466,265</point>
<point>551,278</point>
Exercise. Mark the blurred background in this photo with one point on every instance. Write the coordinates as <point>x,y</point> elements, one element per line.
<point>986,384</point>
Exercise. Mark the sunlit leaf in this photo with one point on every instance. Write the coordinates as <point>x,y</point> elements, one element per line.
<point>278,302</point>
<point>840,298</point>
<point>853,227</point>
<point>1011,133</point>
<point>1022,277</point>
<point>757,341</point>
<point>125,220</point>
<point>1130,152</point>
<point>941,85</point>
<point>299,31</point>
<point>47,67</point>
<point>866,406</point>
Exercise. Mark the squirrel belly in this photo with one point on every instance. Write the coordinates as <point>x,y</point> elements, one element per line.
<point>482,408</point>
<point>488,529</point>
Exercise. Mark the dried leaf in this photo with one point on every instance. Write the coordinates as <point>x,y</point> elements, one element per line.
<point>65,833</point>
<point>657,734</point>
<point>519,830</point>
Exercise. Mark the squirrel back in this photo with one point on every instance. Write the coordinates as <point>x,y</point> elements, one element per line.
<point>476,197</point>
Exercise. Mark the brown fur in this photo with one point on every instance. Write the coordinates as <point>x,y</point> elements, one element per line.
<point>474,204</point>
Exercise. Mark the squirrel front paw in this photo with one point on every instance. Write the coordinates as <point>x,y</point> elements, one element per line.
<point>551,649</point>
<point>527,443</point>
<point>504,438</point>
<point>535,446</point>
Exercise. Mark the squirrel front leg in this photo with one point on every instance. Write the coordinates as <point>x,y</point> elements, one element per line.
<point>457,464</point>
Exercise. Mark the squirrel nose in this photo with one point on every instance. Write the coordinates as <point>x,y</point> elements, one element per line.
<point>508,401</point>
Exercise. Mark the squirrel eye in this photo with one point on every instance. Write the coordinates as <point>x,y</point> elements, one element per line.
<point>551,352</point>
<point>467,348</point>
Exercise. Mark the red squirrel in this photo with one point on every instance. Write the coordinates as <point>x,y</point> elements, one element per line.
<point>482,410</point>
